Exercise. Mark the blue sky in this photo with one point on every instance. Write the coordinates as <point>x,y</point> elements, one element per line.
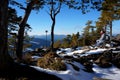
<point>68,21</point>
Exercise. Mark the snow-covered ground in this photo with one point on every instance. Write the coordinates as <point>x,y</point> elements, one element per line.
<point>70,52</point>
<point>111,73</point>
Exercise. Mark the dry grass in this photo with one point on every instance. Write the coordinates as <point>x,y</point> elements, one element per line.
<point>51,61</point>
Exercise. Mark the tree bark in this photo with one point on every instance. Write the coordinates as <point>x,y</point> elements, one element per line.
<point>53,13</point>
<point>22,24</point>
<point>52,34</point>
<point>110,30</point>
<point>5,59</point>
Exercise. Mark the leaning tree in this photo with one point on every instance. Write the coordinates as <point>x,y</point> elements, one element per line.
<point>31,4</point>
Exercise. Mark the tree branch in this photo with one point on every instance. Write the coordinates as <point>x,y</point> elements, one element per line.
<point>58,8</point>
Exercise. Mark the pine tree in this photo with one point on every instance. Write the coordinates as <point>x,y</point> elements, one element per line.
<point>31,4</point>
<point>110,12</point>
<point>57,44</point>
<point>67,41</point>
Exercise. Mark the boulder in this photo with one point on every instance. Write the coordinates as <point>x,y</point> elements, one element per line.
<point>88,66</point>
<point>116,60</point>
<point>103,62</point>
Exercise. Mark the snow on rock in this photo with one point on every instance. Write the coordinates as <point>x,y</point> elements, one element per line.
<point>78,48</point>
<point>111,73</point>
<point>116,51</point>
<point>35,57</point>
<point>70,52</point>
<point>28,50</point>
<point>97,51</point>
<point>66,51</point>
<point>34,42</point>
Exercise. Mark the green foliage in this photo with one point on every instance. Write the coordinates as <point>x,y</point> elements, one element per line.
<point>74,40</point>
<point>57,44</point>
<point>12,40</point>
<point>13,20</point>
<point>89,36</point>
<point>66,41</point>
<point>12,45</point>
<point>99,26</point>
<point>111,10</point>
<point>71,40</point>
<point>51,61</point>
<point>27,40</point>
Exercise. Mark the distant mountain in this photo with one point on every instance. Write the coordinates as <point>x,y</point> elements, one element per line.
<point>40,40</point>
<point>56,37</point>
<point>38,43</point>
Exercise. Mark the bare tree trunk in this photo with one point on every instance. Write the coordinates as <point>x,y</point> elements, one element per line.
<point>52,34</point>
<point>5,59</point>
<point>53,13</point>
<point>22,24</point>
<point>110,30</point>
<point>105,30</point>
